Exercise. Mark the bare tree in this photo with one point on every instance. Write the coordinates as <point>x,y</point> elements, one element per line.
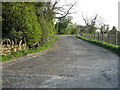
<point>61,11</point>
<point>102,26</point>
<point>53,9</point>
<point>90,23</point>
<point>106,28</point>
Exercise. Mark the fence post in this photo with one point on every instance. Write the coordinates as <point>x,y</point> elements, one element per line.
<point>88,36</point>
<point>118,39</point>
<point>115,37</point>
<point>108,38</point>
<point>94,36</point>
<point>98,37</point>
<point>102,36</point>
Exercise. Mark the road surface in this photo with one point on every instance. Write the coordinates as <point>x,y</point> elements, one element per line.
<point>70,63</point>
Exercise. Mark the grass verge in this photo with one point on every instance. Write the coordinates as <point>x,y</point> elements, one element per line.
<point>27,51</point>
<point>111,47</point>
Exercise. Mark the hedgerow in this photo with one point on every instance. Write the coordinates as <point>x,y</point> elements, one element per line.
<point>27,21</point>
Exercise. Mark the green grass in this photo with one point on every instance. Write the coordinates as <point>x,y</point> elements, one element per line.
<point>61,34</point>
<point>96,35</point>
<point>111,47</point>
<point>27,51</point>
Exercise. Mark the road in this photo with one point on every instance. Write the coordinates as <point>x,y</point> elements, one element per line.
<point>70,63</point>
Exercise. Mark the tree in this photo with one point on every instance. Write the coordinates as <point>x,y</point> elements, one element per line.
<point>61,11</point>
<point>21,17</point>
<point>82,29</point>
<point>90,23</point>
<point>113,30</point>
<point>103,27</point>
<point>71,29</point>
<point>33,21</point>
<point>106,28</point>
<point>62,24</point>
<point>46,21</point>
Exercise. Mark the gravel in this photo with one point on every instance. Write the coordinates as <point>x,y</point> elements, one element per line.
<point>70,63</point>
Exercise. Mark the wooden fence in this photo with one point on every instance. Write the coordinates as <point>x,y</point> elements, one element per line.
<point>109,38</point>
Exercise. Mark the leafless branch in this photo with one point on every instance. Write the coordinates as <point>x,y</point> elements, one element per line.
<point>90,21</point>
<point>56,2</point>
<point>61,10</point>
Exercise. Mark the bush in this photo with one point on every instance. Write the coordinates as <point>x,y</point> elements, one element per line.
<point>28,20</point>
<point>21,17</point>
<point>46,23</point>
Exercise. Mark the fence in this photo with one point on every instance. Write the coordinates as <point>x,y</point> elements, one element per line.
<point>109,38</point>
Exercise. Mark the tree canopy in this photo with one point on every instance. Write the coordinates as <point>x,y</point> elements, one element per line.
<point>33,21</point>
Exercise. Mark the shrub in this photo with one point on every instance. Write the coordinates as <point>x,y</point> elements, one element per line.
<point>21,17</point>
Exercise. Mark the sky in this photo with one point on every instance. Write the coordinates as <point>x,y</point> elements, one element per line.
<point>107,9</point>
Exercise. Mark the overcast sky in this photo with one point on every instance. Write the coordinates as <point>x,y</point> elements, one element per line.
<point>107,9</point>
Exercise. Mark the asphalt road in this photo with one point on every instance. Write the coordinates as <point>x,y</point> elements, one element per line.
<point>70,63</point>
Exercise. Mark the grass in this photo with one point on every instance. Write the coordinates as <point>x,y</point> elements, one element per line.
<point>111,47</point>
<point>27,51</point>
<point>97,35</point>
